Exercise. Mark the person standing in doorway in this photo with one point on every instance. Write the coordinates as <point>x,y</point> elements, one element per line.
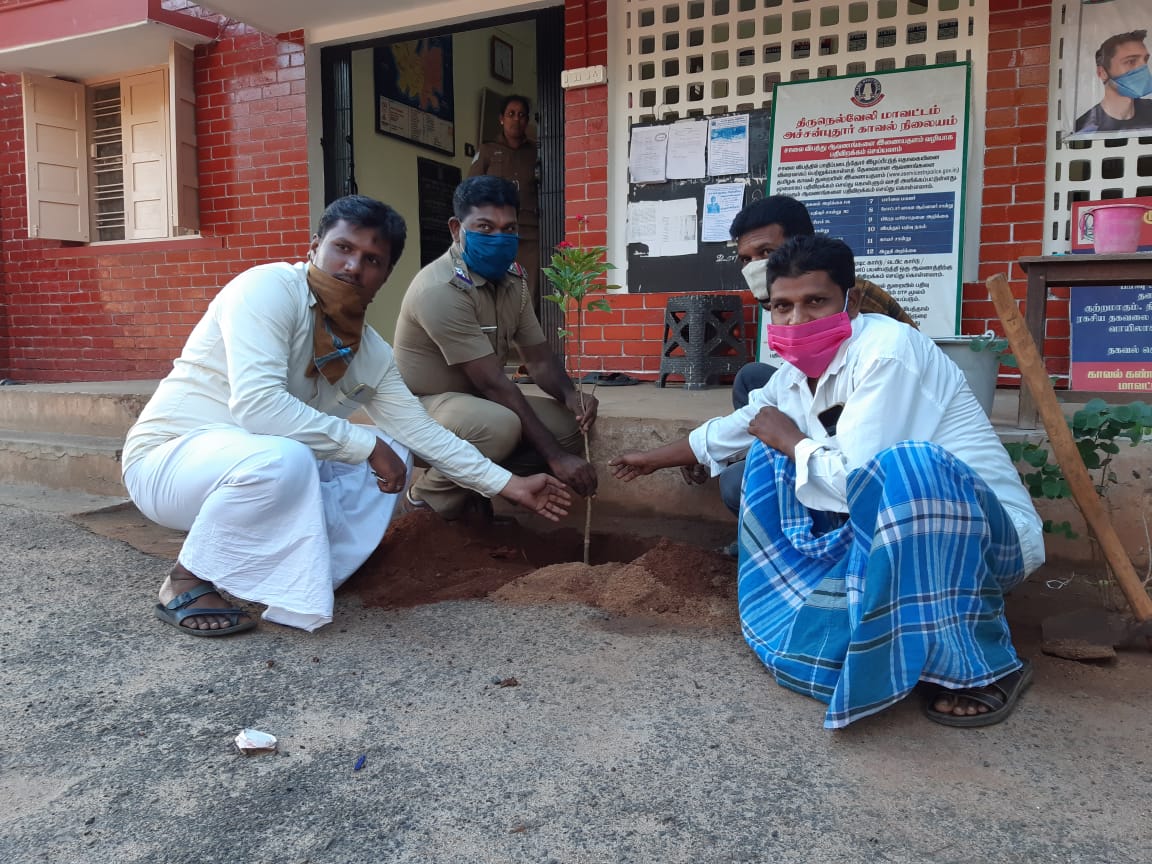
<point>515,157</point>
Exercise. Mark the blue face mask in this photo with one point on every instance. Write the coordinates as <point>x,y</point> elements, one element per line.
<point>490,255</point>
<point>1135,84</point>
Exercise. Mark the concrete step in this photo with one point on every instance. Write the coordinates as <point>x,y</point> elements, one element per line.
<point>82,463</point>
<point>70,437</point>
<point>29,496</point>
<point>104,409</point>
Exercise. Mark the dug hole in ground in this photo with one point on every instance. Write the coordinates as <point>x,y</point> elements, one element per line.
<point>648,572</point>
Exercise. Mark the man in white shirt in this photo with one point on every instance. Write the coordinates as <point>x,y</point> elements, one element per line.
<point>759,230</point>
<point>882,520</point>
<point>246,444</point>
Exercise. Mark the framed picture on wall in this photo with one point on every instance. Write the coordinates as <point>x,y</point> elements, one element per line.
<point>501,60</point>
<point>414,98</point>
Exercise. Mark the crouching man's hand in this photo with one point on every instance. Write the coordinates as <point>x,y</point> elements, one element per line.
<point>632,465</point>
<point>540,493</point>
<point>390,470</point>
<point>777,430</point>
<point>575,472</point>
<point>584,412</point>
<point>641,462</point>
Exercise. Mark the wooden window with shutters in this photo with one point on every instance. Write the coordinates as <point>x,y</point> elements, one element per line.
<point>145,134</point>
<point>113,160</point>
<point>55,144</point>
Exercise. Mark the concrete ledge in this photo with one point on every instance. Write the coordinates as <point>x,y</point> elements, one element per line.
<point>69,436</point>
<point>98,409</point>
<point>42,499</point>
<point>79,462</point>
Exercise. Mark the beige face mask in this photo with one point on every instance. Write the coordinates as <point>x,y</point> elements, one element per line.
<point>756,276</point>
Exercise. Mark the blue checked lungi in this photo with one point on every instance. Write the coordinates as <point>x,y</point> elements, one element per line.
<point>909,588</point>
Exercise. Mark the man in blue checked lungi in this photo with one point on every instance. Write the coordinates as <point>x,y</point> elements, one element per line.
<point>881,519</point>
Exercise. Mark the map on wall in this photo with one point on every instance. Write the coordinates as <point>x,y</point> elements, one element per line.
<point>414,92</point>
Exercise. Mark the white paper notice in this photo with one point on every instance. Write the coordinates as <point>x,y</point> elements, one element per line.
<point>722,201</point>
<point>728,145</point>
<point>642,222</point>
<point>647,154</point>
<point>667,228</point>
<point>687,143</point>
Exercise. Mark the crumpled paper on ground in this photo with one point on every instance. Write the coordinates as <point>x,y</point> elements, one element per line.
<point>253,742</point>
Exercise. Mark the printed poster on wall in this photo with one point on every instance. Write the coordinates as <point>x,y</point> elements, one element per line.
<point>1111,341</point>
<point>1107,82</point>
<point>414,92</point>
<point>879,160</point>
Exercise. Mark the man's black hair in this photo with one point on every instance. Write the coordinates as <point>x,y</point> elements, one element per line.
<point>790,214</point>
<point>812,253</point>
<point>508,100</point>
<point>364,212</point>
<point>482,191</point>
<point>1107,49</point>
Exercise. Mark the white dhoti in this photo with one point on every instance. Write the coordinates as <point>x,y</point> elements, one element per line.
<point>266,521</point>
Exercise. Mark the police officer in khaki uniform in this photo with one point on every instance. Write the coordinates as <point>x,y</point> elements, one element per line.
<point>460,319</point>
<point>513,157</point>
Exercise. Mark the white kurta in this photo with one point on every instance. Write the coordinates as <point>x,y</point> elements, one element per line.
<point>895,385</point>
<point>258,462</point>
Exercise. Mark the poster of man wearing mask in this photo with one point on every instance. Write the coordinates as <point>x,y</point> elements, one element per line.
<point>1109,91</point>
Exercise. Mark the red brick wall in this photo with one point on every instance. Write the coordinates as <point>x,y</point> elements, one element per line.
<point>630,338</point>
<point>76,313</point>
<point>90,313</point>
<point>586,121</point>
<point>1012,218</point>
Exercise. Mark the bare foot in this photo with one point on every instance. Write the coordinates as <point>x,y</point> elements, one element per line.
<point>955,702</point>
<point>180,580</point>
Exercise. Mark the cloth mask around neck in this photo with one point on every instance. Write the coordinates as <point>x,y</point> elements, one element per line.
<point>489,255</point>
<point>1135,84</point>
<point>811,346</point>
<point>338,326</point>
<point>755,275</point>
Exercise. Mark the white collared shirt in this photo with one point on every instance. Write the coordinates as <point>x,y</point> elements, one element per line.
<point>895,385</point>
<point>245,365</point>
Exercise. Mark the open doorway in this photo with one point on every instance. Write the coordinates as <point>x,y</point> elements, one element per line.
<point>404,117</point>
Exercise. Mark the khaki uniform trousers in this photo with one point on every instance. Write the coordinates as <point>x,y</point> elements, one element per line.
<point>495,431</point>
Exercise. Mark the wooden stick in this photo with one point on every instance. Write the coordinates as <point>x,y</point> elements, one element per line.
<point>1035,376</point>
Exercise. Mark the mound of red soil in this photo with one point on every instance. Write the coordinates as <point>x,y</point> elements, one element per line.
<point>426,560</point>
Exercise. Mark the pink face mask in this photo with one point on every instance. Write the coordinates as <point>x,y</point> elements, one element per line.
<point>811,346</point>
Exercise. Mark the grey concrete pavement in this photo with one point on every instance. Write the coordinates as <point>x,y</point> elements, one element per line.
<point>622,743</point>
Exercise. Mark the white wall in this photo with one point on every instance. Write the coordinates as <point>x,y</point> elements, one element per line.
<point>386,166</point>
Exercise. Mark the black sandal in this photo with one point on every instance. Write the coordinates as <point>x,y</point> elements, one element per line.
<point>175,611</point>
<point>1000,697</point>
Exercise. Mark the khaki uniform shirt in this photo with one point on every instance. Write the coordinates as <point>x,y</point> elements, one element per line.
<point>519,166</point>
<point>451,316</point>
